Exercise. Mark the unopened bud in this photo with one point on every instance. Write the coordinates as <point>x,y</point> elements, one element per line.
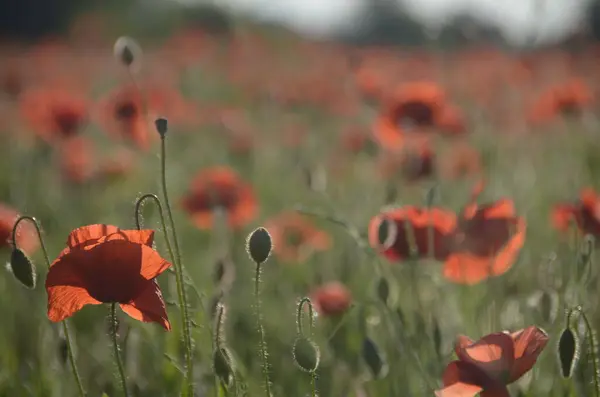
<point>306,354</point>
<point>568,352</point>
<point>161,126</point>
<point>259,245</point>
<point>22,268</point>
<point>127,51</point>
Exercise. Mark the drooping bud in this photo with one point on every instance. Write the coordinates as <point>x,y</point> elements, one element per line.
<point>22,268</point>
<point>383,290</point>
<point>127,51</point>
<point>306,354</point>
<point>259,245</point>
<point>162,125</point>
<point>568,352</point>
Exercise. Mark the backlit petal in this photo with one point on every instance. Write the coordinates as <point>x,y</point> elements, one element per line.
<point>149,306</point>
<point>89,234</point>
<point>66,291</point>
<point>493,354</point>
<point>461,380</point>
<point>528,344</point>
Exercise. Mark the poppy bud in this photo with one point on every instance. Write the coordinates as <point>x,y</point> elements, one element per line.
<point>568,352</point>
<point>127,51</point>
<point>222,364</point>
<point>162,125</point>
<point>22,268</point>
<point>259,245</point>
<point>383,290</point>
<point>373,359</point>
<point>306,354</point>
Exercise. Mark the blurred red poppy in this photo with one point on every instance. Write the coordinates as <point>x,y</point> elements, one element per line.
<point>122,115</point>
<point>412,106</point>
<point>76,159</point>
<point>54,114</point>
<point>585,212</point>
<point>295,238</point>
<point>488,365</point>
<point>220,188</point>
<point>105,264</point>
<point>26,237</point>
<point>417,227</point>
<point>569,98</point>
<point>331,299</point>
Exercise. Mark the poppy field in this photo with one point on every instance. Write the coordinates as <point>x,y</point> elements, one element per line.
<point>258,214</point>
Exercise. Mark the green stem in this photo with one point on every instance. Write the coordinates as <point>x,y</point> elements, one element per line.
<point>592,343</point>
<point>187,337</point>
<point>163,224</point>
<point>116,350</point>
<point>261,332</point>
<point>313,383</point>
<point>65,327</point>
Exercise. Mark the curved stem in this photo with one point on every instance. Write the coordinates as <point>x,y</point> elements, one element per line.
<point>187,337</point>
<point>299,315</point>
<point>116,350</point>
<point>163,224</point>
<point>65,327</point>
<point>261,332</point>
<point>592,343</point>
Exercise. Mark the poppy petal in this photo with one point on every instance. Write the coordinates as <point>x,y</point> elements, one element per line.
<point>149,306</point>
<point>562,215</point>
<point>461,379</point>
<point>528,344</point>
<point>492,354</point>
<point>67,292</point>
<point>84,234</point>
<point>94,233</point>
<point>462,341</point>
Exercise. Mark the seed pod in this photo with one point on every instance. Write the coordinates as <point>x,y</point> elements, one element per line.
<point>22,268</point>
<point>568,352</point>
<point>222,365</point>
<point>259,245</point>
<point>306,354</point>
<point>373,359</point>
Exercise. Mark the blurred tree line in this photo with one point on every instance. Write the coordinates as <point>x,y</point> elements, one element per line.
<point>383,24</point>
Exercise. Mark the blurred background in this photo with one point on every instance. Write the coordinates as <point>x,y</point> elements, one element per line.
<point>305,102</point>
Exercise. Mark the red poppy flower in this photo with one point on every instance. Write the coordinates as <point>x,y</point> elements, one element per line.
<point>295,238</point>
<point>26,235</point>
<point>425,225</point>
<point>486,242</point>
<point>331,299</point>
<point>54,114</point>
<point>585,212</point>
<point>488,365</point>
<point>220,188</point>
<point>412,106</point>
<point>568,98</point>
<point>122,114</point>
<point>105,264</point>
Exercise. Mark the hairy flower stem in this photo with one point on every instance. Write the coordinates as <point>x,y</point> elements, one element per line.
<point>65,327</point>
<point>116,350</point>
<point>261,331</point>
<point>163,224</point>
<point>183,302</point>
<point>592,342</point>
